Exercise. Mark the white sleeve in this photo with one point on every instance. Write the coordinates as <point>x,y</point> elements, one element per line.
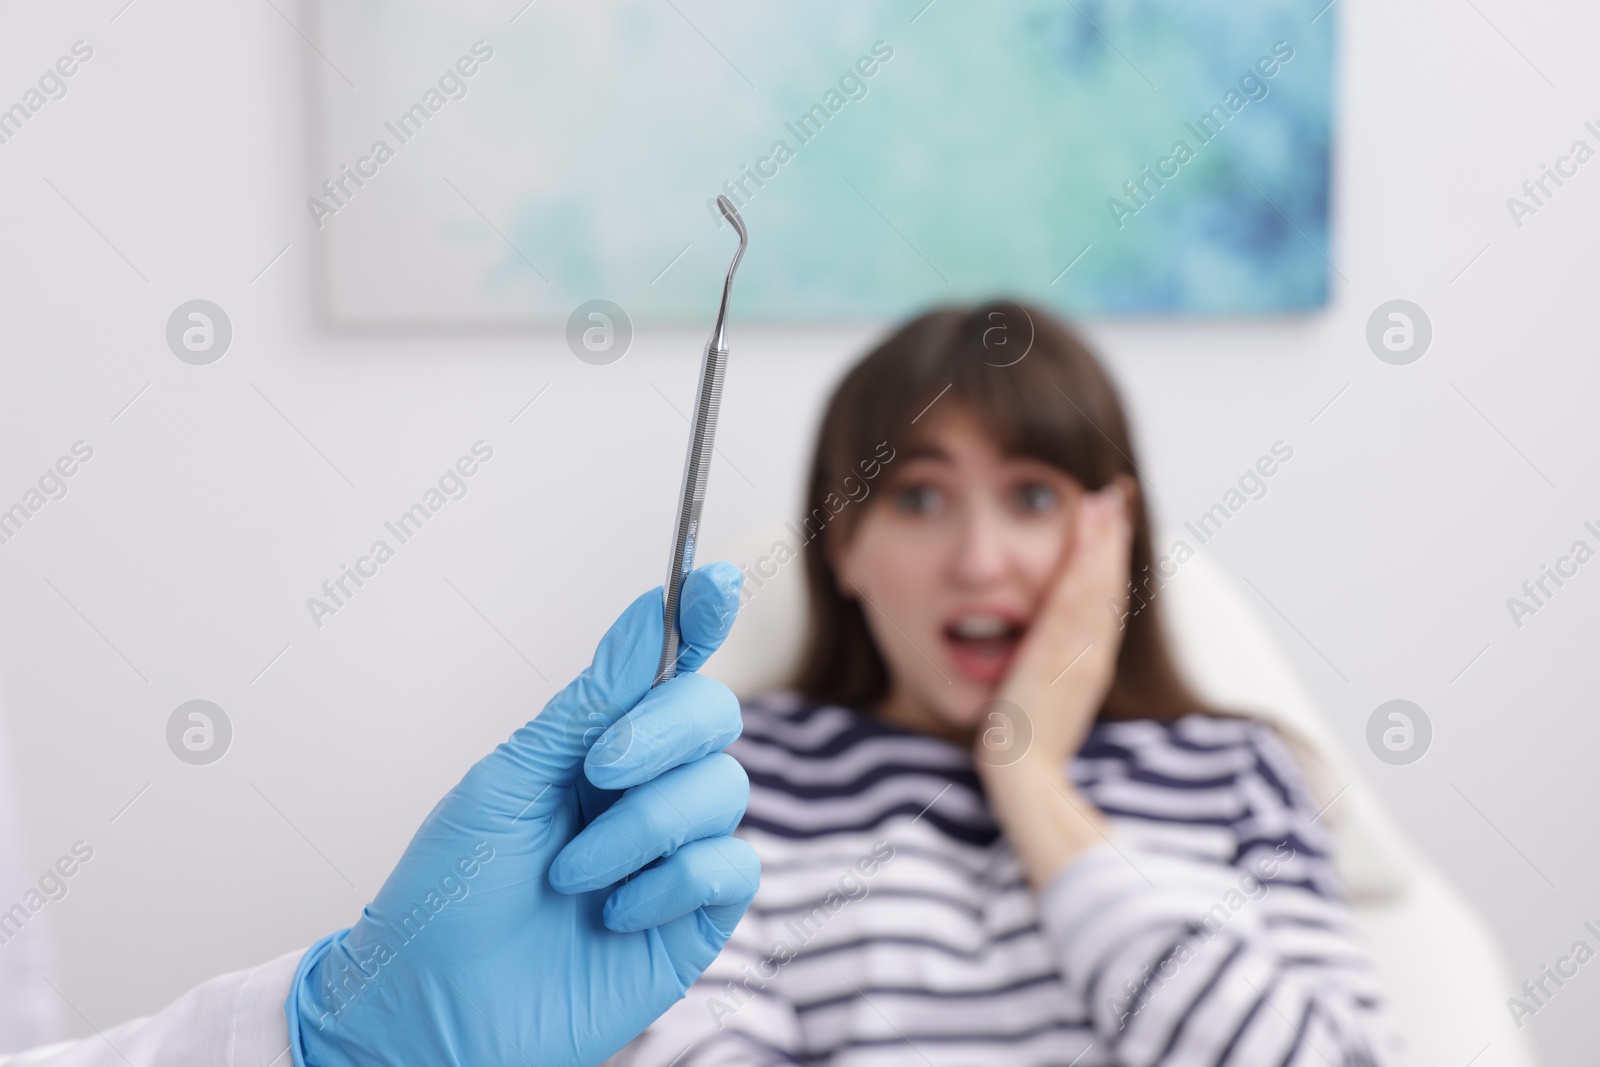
<point>235,1020</point>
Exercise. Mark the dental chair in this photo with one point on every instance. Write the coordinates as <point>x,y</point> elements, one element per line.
<point>1445,978</point>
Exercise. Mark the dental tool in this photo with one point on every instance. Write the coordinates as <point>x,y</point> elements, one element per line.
<point>697,463</point>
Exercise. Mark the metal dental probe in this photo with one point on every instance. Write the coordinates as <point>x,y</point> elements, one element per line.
<point>697,463</point>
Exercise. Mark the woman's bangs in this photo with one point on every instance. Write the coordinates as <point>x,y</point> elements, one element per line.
<point>1026,411</point>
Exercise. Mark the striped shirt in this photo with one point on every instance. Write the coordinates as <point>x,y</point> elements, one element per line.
<point>894,924</point>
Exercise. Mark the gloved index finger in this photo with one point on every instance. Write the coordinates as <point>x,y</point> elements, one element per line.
<point>551,747</point>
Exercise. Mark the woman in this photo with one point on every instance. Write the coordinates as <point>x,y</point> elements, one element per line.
<point>995,825</point>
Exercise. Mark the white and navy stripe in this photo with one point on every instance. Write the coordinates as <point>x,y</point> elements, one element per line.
<point>894,924</point>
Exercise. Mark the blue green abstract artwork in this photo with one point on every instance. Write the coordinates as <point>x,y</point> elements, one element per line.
<point>1101,157</point>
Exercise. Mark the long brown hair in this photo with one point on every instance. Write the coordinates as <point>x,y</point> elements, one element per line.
<point>1038,391</point>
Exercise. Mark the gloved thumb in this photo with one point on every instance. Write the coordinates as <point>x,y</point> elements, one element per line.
<point>550,749</point>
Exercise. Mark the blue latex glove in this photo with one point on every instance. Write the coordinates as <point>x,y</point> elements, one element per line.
<point>502,936</point>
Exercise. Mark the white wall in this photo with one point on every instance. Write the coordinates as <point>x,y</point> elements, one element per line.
<point>1414,506</point>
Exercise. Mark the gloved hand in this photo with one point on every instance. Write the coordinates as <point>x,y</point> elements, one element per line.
<point>503,936</point>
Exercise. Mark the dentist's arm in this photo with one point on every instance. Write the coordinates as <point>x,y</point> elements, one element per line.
<point>507,934</point>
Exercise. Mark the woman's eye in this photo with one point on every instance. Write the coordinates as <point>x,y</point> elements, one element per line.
<point>1037,496</point>
<point>917,499</point>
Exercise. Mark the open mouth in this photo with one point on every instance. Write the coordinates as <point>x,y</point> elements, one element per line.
<point>981,644</point>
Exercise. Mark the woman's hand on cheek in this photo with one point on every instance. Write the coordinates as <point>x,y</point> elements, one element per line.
<point>1049,699</point>
<point>1067,660</point>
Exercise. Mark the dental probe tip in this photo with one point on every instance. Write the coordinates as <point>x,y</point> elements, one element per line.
<point>730,213</point>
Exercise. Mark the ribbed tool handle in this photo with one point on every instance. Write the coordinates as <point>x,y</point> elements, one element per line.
<point>696,466</point>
